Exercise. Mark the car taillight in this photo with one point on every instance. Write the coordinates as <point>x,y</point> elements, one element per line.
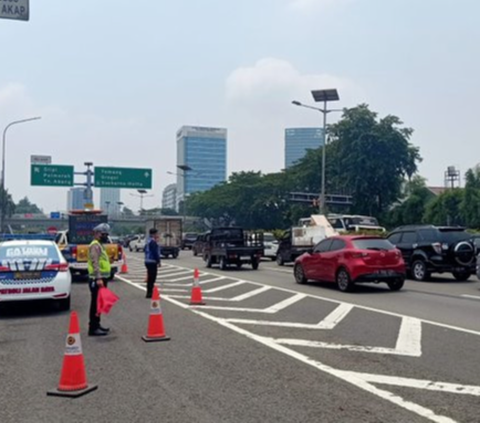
<point>59,267</point>
<point>120,252</point>
<point>4,269</point>
<point>359,254</point>
<point>437,247</point>
<point>74,253</point>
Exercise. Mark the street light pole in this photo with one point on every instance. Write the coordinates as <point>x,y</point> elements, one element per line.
<point>4,196</point>
<point>322,96</point>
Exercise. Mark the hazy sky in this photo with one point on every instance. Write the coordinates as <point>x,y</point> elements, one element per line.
<point>114,80</point>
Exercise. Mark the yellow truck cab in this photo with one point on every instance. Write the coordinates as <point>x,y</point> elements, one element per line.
<point>75,241</point>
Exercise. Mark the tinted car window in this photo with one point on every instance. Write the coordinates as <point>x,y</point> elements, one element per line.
<point>409,238</point>
<point>268,238</point>
<point>395,238</point>
<point>450,236</point>
<point>373,244</point>
<point>337,245</point>
<point>323,246</point>
<point>430,235</point>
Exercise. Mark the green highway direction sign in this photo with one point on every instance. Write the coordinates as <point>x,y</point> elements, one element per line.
<point>51,175</point>
<point>15,9</point>
<point>121,177</point>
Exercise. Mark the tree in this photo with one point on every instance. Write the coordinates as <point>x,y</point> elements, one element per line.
<point>371,158</point>
<point>26,206</point>
<point>470,206</point>
<point>445,209</point>
<point>128,212</point>
<point>6,203</point>
<point>412,208</point>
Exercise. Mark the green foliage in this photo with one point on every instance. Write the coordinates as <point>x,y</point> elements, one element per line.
<point>446,208</point>
<point>470,206</point>
<point>25,206</point>
<point>412,208</point>
<point>6,203</point>
<point>368,157</point>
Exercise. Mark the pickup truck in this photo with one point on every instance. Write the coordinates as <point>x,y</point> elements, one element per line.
<point>299,240</point>
<point>231,246</point>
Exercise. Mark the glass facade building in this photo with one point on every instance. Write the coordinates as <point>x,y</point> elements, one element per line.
<point>76,199</point>
<point>298,141</point>
<point>169,197</point>
<point>204,150</point>
<point>109,199</point>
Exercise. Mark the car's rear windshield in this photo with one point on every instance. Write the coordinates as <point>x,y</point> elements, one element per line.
<point>268,237</point>
<point>227,234</point>
<point>363,221</point>
<point>373,244</point>
<point>29,252</point>
<point>450,236</point>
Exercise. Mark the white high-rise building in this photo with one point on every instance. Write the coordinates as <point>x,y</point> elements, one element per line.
<point>169,197</point>
<point>109,201</point>
<point>76,199</point>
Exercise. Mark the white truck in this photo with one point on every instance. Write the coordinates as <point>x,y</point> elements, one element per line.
<point>345,223</point>
<point>302,238</point>
<point>169,232</point>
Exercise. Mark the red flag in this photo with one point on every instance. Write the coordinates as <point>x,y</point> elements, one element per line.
<point>105,300</point>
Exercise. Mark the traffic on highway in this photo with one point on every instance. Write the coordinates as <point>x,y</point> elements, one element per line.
<point>239,211</point>
<point>345,319</point>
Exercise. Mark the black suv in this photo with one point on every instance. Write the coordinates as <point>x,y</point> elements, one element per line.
<point>427,249</point>
<point>188,240</point>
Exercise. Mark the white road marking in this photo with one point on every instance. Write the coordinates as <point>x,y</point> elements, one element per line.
<point>168,275</point>
<point>360,380</point>
<point>409,341</point>
<point>332,320</point>
<point>361,307</point>
<point>428,385</point>
<point>182,279</point>
<point>223,287</point>
<point>238,298</point>
<point>286,303</point>
<point>475,297</point>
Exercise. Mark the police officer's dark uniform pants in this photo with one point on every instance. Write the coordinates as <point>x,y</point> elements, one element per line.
<point>152,271</point>
<point>94,319</point>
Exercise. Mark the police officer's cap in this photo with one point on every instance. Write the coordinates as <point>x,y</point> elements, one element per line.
<point>104,228</point>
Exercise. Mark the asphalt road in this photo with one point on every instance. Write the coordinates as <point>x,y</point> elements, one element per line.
<point>263,349</point>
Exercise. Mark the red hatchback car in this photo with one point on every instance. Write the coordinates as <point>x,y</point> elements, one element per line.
<point>347,260</point>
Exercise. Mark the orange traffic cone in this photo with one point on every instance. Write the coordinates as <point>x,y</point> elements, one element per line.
<point>156,330</point>
<point>124,265</point>
<point>73,380</point>
<point>196,297</point>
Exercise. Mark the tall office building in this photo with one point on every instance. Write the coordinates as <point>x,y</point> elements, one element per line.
<point>204,151</point>
<point>76,199</point>
<point>109,201</point>
<point>298,141</point>
<point>169,197</point>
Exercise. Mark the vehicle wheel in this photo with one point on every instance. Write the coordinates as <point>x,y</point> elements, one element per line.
<point>255,264</point>
<point>223,263</point>
<point>175,255</point>
<point>136,249</point>
<point>396,285</point>
<point>209,261</point>
<point>344,282</point>
<point>273,258</point>
<point>280,260</point>
<point>419,271</point>
<point>64,305</point>
<point>195,253</point>
<point>239,265</point>
<point>130,248</point>
<point>461,276</point>
<point>299,274</point>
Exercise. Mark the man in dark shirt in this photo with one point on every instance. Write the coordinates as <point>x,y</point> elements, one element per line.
<point>152,260</point>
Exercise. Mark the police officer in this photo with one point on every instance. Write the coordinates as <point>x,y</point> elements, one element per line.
<point>99,272</point>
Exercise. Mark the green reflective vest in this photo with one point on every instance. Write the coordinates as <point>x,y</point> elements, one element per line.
<point>103,262</point>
